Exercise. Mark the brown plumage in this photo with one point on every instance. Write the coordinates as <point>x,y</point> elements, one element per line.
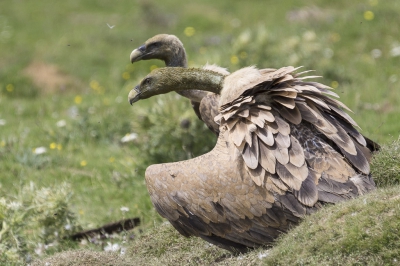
<point>170,49</point>
<point>285,148</point>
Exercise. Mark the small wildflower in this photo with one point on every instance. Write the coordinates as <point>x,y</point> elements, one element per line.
<point>2,122</point>
<point>111,247</point>
<point>61,123</point>
<point>125,75</point>
<point>234,59</point>
<point>94,84</point>
<point>81,212</point>
<point>83,163</point>
<point>10,87</point>
<point>373,2</point>
<point>368,15</point>
<point>189,31</point>
<point>376,53</point>
<point>309,35</point>
<point>39,150</point>
<point>334,84</point>
<point>395,51</point>
<point>124,209</point>
<point>2,143</point>
<point>78,99</point>
<point>129,137</point>
<point>335,37</point>
<point>59,147</point>
<point>262,255</point>
<point>53,145</point>
<point>243,55</point>
<point>153,67</point>
<point>68,227</point>
<point>112,159</point>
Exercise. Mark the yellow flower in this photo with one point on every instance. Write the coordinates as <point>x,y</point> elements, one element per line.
<point>94,84</point>
<point>78,99</point>
<point>153,67</point>
<point>53,145</point>
<point>234,59</point>
<point>189,31</point>
<point>368,15</point>
<point>59,147</point>
<point>2,143</point>
<point>335,37</point>
<point>373,2</point>
<point>83,163</point>
<point>81,212</point>
<point>334,84</point>
<point>125,75</point>
<point>10,87</point>
<point>203,50</point>
<point>112,159</point>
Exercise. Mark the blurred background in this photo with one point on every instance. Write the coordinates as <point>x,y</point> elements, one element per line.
<point>73,151</point>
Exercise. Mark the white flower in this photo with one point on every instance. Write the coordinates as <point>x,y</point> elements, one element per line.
<point>395,51</point>
<point>67,227</point>
<point>39,150</point>
<point>376,53</point>
<point>129,137</point>
<point>14,205</point>
<point>111,247</point>
<point>124,209</point>
<point>262,255</point>
<point>61,123</point>
<point>2,122</point>
<point>123,250</point>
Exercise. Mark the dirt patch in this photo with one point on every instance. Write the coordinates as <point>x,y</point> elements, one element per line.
<point>48,78</point>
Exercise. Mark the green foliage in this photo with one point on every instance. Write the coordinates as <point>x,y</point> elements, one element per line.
<point>37,219</point>
<point>169,131</point>
<point>364,231</point>
<point>385,165</point>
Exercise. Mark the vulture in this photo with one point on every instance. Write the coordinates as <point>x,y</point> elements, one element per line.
<point>286,148</point>
<point>170,49</point>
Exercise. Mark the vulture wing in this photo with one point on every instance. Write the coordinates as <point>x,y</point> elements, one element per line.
<point>213,197</point>
<point>289,133</point>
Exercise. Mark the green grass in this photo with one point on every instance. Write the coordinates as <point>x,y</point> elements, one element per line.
<point>60,61</point>
<point>364,231</point>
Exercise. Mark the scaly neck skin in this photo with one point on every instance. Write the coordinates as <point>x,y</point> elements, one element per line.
<point>178,59</point>
<point>181,79</point>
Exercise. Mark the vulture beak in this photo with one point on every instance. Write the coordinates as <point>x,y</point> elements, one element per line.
<point>138,53</point>
<point>134,95</point>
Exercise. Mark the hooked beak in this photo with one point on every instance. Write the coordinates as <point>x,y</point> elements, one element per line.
<point>137,54</point>
<point>134,95</point>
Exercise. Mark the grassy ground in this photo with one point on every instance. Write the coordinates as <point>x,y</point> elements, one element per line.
<point>65,76</point>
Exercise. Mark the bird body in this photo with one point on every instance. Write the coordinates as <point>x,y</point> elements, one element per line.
<point>285,148</point>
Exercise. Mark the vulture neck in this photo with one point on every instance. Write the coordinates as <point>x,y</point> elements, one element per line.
<point>192,80</point>
<point>179,60</point>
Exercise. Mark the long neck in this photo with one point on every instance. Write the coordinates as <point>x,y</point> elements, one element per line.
<point>180,79</point>
<point>178,58</point>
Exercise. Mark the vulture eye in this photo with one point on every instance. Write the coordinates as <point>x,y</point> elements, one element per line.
<point>154,45</point>
<point>147,81</point>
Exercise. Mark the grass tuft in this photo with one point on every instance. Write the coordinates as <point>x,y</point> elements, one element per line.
<point>385,165</point>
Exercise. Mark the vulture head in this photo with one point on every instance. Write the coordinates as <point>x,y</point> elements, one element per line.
<point>164,47</point>
<point>164,80</point>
